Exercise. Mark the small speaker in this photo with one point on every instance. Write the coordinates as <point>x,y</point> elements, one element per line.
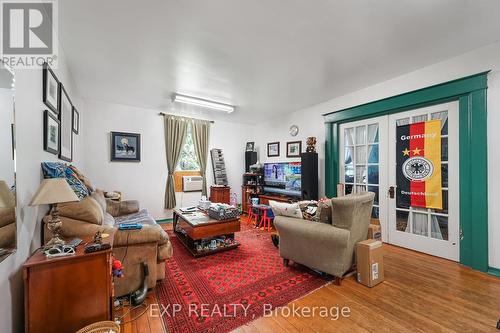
<point>309,176</point>
<point>250,159</point>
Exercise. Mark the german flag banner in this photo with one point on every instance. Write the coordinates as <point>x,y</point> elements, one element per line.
<point>418,165</point>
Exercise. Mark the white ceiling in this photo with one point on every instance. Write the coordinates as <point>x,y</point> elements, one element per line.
<point>267,57</point>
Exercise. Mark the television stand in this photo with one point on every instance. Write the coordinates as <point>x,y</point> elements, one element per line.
<point>264,198</point>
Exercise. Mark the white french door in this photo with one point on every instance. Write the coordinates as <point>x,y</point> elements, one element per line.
<point>363,161</point>
<point>368,162</point>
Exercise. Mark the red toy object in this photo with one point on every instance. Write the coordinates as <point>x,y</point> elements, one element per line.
<point>117,268</point>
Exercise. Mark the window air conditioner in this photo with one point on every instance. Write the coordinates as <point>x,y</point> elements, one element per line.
<point>192,183</point>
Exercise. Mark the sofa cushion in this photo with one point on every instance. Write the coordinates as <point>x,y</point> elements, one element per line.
<point>61,170</point>
<point>98,196</point>
<point>83,178</point>
<point>87,210</point>
<point>324,213</point>
<point>285,209</point>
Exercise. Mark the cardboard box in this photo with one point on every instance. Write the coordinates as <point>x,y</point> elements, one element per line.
<point>370,262</point>
<point>374,232</point>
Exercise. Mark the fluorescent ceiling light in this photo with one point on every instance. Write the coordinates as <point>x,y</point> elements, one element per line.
<point>203,103</point>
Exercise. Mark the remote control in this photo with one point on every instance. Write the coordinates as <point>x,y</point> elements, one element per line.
<point>129,226</point>
<point>94,247</point>
<point>74,242</point>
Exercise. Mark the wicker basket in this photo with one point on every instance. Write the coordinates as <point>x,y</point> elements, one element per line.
<point>223,213</point>
<point>101,327</point>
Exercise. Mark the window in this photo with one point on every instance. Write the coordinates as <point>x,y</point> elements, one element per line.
<point>188,160</point>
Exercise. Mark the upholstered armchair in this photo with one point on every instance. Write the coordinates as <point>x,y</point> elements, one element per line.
<point>329,248</point>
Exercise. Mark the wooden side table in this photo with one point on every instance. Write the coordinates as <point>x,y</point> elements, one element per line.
<point>220,194</point>
<point>67,293</point>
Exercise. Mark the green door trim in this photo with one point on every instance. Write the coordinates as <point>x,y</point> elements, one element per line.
<point>470,92</point>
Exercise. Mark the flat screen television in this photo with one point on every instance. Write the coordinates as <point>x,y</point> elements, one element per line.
<point>283,178</point>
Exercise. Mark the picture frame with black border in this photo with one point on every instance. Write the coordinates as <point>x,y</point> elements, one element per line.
<point>125,147</point>
<point>51,129</point>
<point>50,89</point>
<point>273,149</point>
<point>293,148</point>
<point>66,126</point>
<point>75,121</point>
<point>250,146</point>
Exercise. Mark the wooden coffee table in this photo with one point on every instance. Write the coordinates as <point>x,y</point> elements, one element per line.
<point>192,229</point>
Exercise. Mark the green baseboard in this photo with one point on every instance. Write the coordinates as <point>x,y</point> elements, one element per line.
<point>162,221</point>
<point>494,271</point>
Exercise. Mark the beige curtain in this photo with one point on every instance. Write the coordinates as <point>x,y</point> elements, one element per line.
<point>200,130</point>
<point>175,135</point>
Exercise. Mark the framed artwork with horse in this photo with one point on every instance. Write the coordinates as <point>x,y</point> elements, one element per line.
<point>125,147</point>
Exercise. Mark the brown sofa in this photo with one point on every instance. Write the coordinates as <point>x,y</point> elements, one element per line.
<point>329,248</point>
<point>149,244</point>
<point>7,227</point>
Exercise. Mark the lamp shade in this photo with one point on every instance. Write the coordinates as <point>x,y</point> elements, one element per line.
<point>7,199</point>
<point>52,191</point>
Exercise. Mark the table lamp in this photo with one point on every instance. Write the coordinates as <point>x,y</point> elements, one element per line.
<point>51,192</point>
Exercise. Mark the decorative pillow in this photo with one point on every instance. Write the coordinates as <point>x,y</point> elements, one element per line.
<point>87,210</point>
<point>60,170</point>
<point>83,178</point>
<point>285,209</point>
<point>309,209</point>
<point>324,213</point>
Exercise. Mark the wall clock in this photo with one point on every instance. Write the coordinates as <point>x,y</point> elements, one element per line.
<point>294,130</point>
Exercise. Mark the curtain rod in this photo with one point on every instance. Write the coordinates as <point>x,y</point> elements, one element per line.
<point>176,115</point>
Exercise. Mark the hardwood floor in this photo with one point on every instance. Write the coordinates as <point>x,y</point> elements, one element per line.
<point>420,293</point>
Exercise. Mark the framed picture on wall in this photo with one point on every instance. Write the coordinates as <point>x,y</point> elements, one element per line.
<point>125,147</point>
<point>273,149</point>
<point>76,121</point>
<point>51,128</point>
<point>66,122</point>
<point>293,148</point>
<point>50,89</point>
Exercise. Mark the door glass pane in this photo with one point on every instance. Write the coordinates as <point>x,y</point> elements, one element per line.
<point>445,204</point>
<point>349,153</point>
<point>360,188</point>
<point>348,189</point>
<point>420,118</point>
<point>439,227</point>
<point>444,149</point>
<point>374,189</point>
<point>360,135</point>
<point>361,155</point>
<point>443,115</point>
<point>373,153</point>
<point>420,224</point>
<point>375,212</point>
<point>402,220</point>
<point>444,174</point>
<point>349,136</point>
<point>361,174</point>
<point>373,133</point>
<point>373,174</point>
<point>349,173</point>
<point>401,122</point>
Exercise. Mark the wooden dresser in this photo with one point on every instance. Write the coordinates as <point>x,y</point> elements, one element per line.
<point>67,293</point>
<point>220,194</point>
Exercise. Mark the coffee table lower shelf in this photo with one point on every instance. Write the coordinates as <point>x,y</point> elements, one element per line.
<point>188,244</point>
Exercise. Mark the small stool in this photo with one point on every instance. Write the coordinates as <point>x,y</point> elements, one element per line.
<point>267,217</point>
<point>251,215</point>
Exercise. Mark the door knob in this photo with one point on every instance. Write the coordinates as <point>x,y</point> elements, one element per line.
<point>391,192</point>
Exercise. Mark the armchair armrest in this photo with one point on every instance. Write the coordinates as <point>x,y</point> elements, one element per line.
<point>120,208</point>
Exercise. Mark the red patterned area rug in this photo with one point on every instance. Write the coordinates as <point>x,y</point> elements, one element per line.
<point>223,291</point>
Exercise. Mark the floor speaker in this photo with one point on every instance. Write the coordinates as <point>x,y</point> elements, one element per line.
<point>309,176</point>
<point>250,159</point>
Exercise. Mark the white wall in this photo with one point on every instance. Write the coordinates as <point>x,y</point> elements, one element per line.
<point>310,119</point>
<point>29,150</point>
<point>6,119</point>
<point>145,181</point>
